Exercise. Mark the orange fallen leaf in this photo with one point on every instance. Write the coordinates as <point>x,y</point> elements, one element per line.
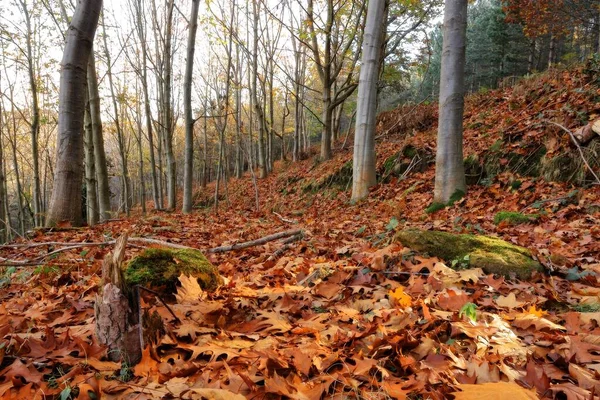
<point>494,391</point>
<point>399,298</point>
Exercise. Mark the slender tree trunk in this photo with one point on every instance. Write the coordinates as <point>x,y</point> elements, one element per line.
<point>4,216</point>
<point>117,120</point>
<point>188,166</point>
<point>35,120</point>
<point>449,170</point>
<point>141,158</point>
<point>552,50</point>
<point>262,165</point>
<point>363,172</point>
<point>65,203</point>
<point>168,114</point>
<point>101,168</point>
<point>141,32</point>
<point>90,171</point>
<point>531,57</point>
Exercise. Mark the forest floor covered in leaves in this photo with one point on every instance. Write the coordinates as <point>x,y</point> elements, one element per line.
<point>347,312</point>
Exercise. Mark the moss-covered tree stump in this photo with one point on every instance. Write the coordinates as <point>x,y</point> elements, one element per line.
<point>493,255</point>
<point>161,267</point>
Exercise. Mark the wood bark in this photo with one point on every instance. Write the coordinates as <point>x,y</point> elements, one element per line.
<point>101,168</point>
<point>117,311</point>
<point>449,166</point>
<point>188,166</point>
<point>363,172</point>
<point>65,203</point>
<point>90,170</point>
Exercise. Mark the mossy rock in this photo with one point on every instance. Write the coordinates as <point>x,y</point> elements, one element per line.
<point>161,267</point>
<point>493,255</point>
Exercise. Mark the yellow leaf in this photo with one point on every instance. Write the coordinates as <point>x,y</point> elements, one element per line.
<point>494,391</point>
<point>509,301</point>
<point>534,311</point>
<point>399,298</point>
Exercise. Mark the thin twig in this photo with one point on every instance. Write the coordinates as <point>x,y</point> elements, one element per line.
<point>578,148</point>
<point>161,300</point>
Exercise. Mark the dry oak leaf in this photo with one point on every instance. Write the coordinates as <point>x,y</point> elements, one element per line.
<point>211,394</point>
<point>189,291</point>
<point>453,299</point>
<point>509,301</point>
<point>525,321</point>
<point>147,365</point>
<point>494,391</point>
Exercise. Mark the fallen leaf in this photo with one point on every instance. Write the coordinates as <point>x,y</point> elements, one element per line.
<point>494,391</point>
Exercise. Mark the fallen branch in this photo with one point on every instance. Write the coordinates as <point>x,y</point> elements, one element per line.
<point>287,243</point>
<point>574,140</point>
<point>288,221</point>
<point>295,234</point>
<point>256,242</point>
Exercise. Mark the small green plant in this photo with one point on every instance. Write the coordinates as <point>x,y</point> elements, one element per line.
<point>469,310</point>
<point>461,263</point>
<point>393,224</point>
<point>125,373</point>
<point>514,218</point>
<point>516,184</point>
<point>6,277</point>
<point>46,270</point>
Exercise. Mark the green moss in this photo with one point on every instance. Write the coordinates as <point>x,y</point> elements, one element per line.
<point>456,196</point>
<point>514,218</point>
<point>592,307</point>
<point>491,254</point>
<point>160,267</point>
<point>435,207</point>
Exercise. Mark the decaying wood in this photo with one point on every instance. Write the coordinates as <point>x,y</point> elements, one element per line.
<point>256,242</point>
<point>117,310</point>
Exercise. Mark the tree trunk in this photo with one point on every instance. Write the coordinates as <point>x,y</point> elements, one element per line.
<point>531,57</point>
<point>262,165</point>
<point>65,203</point>
<point>364,173</point>
<point>103,191</point>
<point>141,32</point>
<point>4,216</point>
<point>35,120</point>
<point>90,171</point>
<point>120,134</point>
<point>188,167</point>
<point>449,171</point>
<point>552,50</point>
<point>168,114</point>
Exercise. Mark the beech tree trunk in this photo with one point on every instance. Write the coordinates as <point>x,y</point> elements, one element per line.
<point>90,171</point>
<point>188,167</point>
<point>103,190</point>
<point>449,166</point>
<point>363,172</point>
<point>65,203</point>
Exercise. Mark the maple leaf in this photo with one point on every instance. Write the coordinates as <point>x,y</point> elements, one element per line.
<point>399,298</point>
<point>534,311</point>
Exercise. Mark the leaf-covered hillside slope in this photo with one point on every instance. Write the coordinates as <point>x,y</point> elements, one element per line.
<point>347,312</point>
